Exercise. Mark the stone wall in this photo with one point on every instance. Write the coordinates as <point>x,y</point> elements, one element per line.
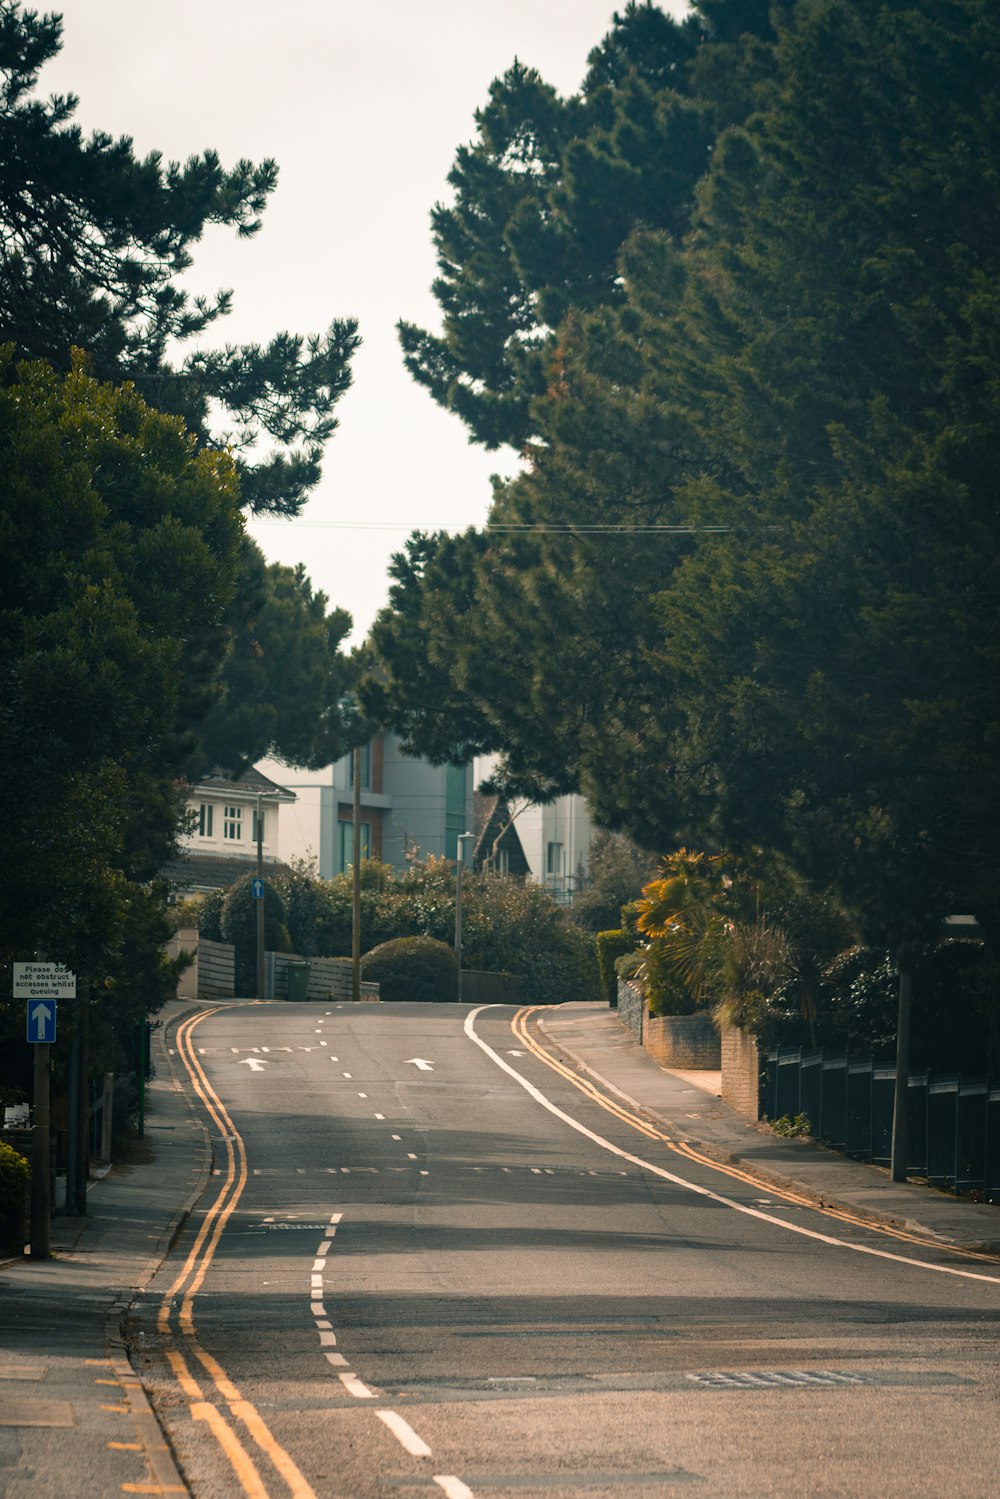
<point>741,1072</point>
<point>631,1008</point>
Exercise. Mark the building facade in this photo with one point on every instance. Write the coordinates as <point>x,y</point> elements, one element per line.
<point>555,838</point>
<point>221,845</point>
<point>410,809</point>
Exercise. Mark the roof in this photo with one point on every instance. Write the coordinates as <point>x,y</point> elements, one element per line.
<point>214,871</point>
<point>252,782</point>
<point>495,831</point>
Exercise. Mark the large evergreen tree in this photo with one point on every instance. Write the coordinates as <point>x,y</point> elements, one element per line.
<point>93,241</point>
<point>750,596</point>
<point>118,553</point>
<point>286,687</point>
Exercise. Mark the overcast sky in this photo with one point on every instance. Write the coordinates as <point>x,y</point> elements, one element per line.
<point>363,104</point>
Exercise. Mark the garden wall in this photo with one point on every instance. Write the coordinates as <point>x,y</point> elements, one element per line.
<point>741,1072</point>
<point>687,1042</point>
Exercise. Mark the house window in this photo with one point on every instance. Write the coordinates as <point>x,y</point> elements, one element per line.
<point>366,768</point>
<point>501,861</point>
<point>554,858</point>
<point>345,852</point>
<point>205,820</point>
<point>263,826</point>
<point>232,823</point>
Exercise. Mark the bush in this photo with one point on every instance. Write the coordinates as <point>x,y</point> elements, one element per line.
<point>610,946</point>
<point>13,1180</point>
<point>239,926</point>
<point>412,968</point>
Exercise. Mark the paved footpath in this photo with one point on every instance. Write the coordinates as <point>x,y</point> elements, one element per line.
<point>73,1418</point>
<point>594,1039</point>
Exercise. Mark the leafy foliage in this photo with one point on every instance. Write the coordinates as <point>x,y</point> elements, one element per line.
<point>14,1171</point>
<point>617,871</point>
<point>117,553</point>
<point>94,245</point>
<point>413,969</point>
<point>285,686</point>
<point>610,946</point>
<point>746,585</point>
<point>239,926</point>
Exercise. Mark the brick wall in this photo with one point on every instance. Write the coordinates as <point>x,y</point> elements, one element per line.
<point>690,1042</point>
<point>741,1072</point>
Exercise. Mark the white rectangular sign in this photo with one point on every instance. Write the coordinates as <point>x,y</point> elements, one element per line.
<point>43,981</point>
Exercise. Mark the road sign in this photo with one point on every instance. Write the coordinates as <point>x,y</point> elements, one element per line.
<point>43,981</point>
<point>257,886</point>
<point>42,1020</point>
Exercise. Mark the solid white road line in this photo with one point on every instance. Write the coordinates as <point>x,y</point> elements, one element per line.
<point>689,1186</point>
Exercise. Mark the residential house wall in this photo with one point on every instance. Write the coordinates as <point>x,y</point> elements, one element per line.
<point>556,841</point>
<point>222,841</point>
<point>410,809</point>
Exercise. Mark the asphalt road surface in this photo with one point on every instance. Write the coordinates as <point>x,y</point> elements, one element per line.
<point>427,1262</point>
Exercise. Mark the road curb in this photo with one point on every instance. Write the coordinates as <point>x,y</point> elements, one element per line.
<point>153,1436</point>
<point>768,1175</point>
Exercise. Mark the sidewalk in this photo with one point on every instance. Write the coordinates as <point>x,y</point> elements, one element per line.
<point>73,1417</point>
<point>75,1420</point>
<point>594,1038</point>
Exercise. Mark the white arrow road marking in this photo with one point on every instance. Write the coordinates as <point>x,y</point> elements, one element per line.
<point>516,1053</point>
<point>256,1064</point>
<point>420,1062</point>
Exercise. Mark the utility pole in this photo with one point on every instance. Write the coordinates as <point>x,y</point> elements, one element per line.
<point>259,903</point>
<point>459,866</point>
<point>79,1104</point>
<point>900,1143</point>
<point>356,880</point>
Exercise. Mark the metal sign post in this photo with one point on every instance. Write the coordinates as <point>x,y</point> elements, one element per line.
<point>41,984</point>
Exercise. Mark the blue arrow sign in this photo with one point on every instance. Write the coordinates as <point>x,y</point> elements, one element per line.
<point>42,1020</point>
<point>258,889</point>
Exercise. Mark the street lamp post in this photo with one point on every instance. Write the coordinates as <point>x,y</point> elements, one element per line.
<point>259,903</point>
<point>463,839</point>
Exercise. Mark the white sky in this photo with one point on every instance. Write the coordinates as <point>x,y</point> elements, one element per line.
<point>363,104</point>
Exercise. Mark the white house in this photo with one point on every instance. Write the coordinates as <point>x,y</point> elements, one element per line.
<point>222,843</point>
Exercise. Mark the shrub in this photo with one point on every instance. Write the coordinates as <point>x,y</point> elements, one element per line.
<point>610,946</point>
<point>209,915</point>
<point>412,968</point>
<point>13,1179</point>
<point>239,926</point>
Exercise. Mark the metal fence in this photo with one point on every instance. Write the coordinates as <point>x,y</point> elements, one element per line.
<point>953,1134</point>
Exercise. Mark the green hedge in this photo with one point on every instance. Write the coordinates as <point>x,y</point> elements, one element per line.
<point>14,1173</point>
<point>611,946</point>
<point>412,968</point>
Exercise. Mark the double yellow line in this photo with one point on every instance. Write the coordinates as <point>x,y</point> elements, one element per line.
<point>519,1025</point>
<point>186,1352</point>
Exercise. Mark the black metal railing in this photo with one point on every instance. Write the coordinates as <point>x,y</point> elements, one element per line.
<point>953,1122</point>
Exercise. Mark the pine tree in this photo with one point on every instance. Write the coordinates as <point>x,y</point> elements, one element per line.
<point>93,242</point>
